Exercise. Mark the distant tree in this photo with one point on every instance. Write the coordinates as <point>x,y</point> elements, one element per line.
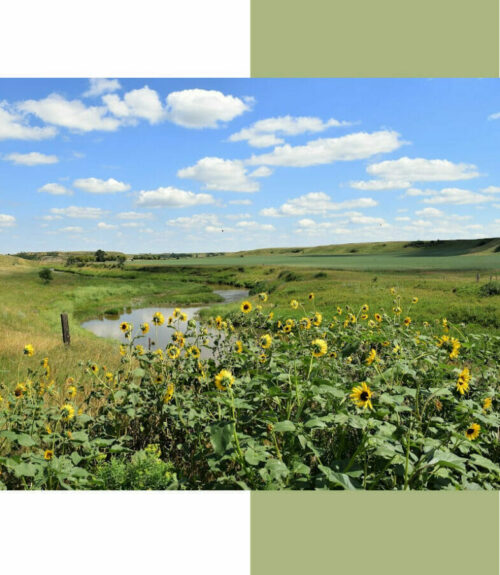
<point>100,256</point>
<point>46,275</point>
<point>121,260</point>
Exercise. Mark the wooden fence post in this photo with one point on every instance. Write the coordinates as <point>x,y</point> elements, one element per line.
<point>65,328</point>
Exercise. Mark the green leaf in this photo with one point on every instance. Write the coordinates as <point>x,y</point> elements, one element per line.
<point>25,440</point>
<point>283,426</point>
<point>79,436</point>
<point>221,435</point>
<point>25,470</point>
<point>340,479</point>
<point>481,461</point>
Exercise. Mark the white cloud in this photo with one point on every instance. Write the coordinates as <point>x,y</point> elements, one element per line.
<point>430,212</point>
<point>203,108</point>
<point>401,173</point>
<point>50,218</point>
<point>105,226</point>
<point>240,202</point>
<point>55,189</point>
<point>355,146</point>
<point>13,126</point>
<point>456,196</point>
<point>491,190</point>
<point>79,212</point>
<point>142,103</point>
<point>403,219</point>
<point>495,116</point>
<point>99,86</point>
<point>196,221</point>
<point>315,203</point>
<point>7,221</point>
<point>72,230</point>
<point>262,172</point>
<point>172,197</point>
<point>31,159</point>
<point>134,215</point>
<point>238,216</point>
<point>71,114</point>
<point>255,226</point>
<point>265,133</point>
<point>368,221</point>
<point>222,175</point>
<point>97,186</point>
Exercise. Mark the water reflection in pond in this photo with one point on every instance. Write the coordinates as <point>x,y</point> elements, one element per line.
<point>110,326</point>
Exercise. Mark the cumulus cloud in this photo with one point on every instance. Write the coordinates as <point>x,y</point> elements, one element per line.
<point>99,86</point>
<point>7,221</point>
<point>255,226</point>
<point>72,230</point>
<point>14,126</point>
<point>55,190</point>
<point>203,108</point>
<point>196,221</point>
<point>315,203</point>
<point>456,196</point>
<point>222,175</point>
<point>97,186</point>
<point>31,159</point>
<point>79,212</point>
<point>105,226</point>
<point>355,146</point>
<point>141,103</point>
<point>172,197</point>
<point>402,173</point>
<point>267,132</point>
<point>71,114</point>
<point>134,215</point>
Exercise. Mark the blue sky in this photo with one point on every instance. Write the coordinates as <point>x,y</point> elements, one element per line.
<point>160,165</point>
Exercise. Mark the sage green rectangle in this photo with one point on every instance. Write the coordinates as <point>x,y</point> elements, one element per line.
<point>368,38</point>
<point>374,533</point>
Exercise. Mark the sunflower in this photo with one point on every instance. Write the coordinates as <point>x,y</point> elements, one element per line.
<point>270,316</point>
<point>396,349</point>
<point>463,380</point>
<point>178,338</point>
<point>45,362</point>
<point>158,318</point>
<point>266,341</point>
<point>365,308</point>
<point>305,323</point>
<point>472,432</point>
<point>109,376</point>
<point>352,318</point>
<point>169,393</point>
<point>177,312</point>
<point>67,412</point>
<point>159,353</point>
<point>20,390</point>
<point>238,347</point>
<point>125,327</point>
<point>414,300</point>
<point>397,310</point>
<point>71,391</point>
<point>287,328</point>
<point>455,347</point>
<point>393,291</point>
<point>294,304</point>
<point>339,310</point>
<point>262,357</point>
<point>407,321</point>
<point>123,349</point>
<point>29,350</point>
<point>317,319</point>
<point>173,352</point>
<point>183,316</point>
<point>94,368</point>
<point>364,316</point>
<point>144,328</point>
<point>263,296</point>
<point>219,322</point>
<point>361,396</point>
<point>487,401</point>
<point>224,380</point>
<point>194,351</point>
<point>48,455</point>
<point>311,296</point>
<point>246,307</point>
<point>319,347</point>
<point>372,356</point>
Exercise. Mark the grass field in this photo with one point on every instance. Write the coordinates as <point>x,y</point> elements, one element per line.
<point>456,294</point>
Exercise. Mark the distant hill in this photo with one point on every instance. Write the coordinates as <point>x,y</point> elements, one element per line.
<point>484,246</point>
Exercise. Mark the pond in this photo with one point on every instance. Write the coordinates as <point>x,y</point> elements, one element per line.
<point>110,326</point>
